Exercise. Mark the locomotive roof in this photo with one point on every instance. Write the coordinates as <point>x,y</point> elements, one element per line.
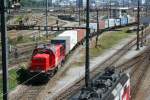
<point>105,84</point>
<point>51,47</point>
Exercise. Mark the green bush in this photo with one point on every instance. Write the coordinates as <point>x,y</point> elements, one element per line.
<point>19,18</point>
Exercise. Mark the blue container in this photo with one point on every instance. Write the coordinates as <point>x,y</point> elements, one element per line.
<point>124,21</point>
<point>93,26</point>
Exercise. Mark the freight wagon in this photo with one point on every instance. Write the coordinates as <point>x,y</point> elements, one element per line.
<point>109,23</point>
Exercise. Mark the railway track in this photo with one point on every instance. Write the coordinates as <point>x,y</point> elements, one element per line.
<point>31,94</point>
<point>135,67</point>
<point>137,74</point>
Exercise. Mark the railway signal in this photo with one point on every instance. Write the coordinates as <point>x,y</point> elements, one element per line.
<point>4,48</point>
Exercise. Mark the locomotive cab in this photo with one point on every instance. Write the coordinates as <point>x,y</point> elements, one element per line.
<point>42,61</point>
<point>47,58</point>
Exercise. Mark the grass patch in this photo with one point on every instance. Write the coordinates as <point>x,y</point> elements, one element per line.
<point>12,81</point>
<point>107,41</point>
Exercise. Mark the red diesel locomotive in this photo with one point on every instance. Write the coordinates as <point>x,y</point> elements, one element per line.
<point>47,58</point>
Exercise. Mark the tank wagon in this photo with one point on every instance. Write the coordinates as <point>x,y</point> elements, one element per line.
<point>109,85</point>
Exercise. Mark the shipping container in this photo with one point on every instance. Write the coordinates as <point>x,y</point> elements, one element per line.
<point>124,21</point>
<point>106,23</point>
<point>80,34</point>
<point>118,22</point>
<point>73,37</point>
<point>131,20</point>
<point>64,41</point>
<point>93,26</point>
<point>102,24</point>
<point>111,22</point>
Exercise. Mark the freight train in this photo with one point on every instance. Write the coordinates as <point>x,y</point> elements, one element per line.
<point>109,85</point>
<point>47,58</point>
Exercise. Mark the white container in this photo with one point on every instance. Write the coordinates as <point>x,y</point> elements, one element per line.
<point>106,23</point>
<point>73,37</point>
<point>111,22</point>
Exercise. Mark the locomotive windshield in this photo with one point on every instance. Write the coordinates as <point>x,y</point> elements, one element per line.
<point>41,51</point>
